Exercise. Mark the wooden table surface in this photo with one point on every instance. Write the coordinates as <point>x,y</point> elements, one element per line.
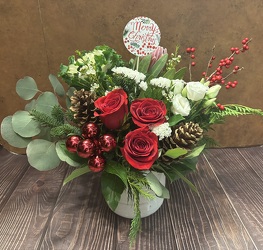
<point>36,212</point>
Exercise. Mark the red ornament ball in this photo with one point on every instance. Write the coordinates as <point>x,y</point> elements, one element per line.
<point>97,163</point>
<point>107,142</point>
<point>72,143</point>
<point>86,148</point>
<point>90,130</point>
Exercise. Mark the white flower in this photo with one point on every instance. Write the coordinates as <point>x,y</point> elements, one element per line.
<point>143,85</point>
<point>162,130</point>
<point>178,86</point>
<point>213,91</point>
<point>132,74</point>
<point>180,105</point>
<point>94,87</point>
<point>72,69</point>
<point>196,91</point>
<point>161,82</point>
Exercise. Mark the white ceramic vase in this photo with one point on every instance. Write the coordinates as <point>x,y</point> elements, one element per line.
<point>147,206</point>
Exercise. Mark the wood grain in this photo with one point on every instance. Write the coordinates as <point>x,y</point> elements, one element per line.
<point>29,208</point>
<point>243,185</point>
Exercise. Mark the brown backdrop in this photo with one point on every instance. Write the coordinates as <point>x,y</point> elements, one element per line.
<point>36,36</point>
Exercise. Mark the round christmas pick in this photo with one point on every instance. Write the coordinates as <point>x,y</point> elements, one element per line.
<point>141,36</point>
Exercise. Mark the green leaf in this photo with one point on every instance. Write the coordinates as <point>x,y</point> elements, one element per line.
<point>157,67</point>
<point>118,170</point>
<point>180,73</point>
<point>71,158</point>
<point>189,183</point>
<point>11,136</point>
<point>76,173</point>
<point>24,124</point>
<point>175,152</point>
<point>112,187</point>
<point>57,86</point>
<point>46,102</point>
<point>42,155</point>
<point>144,64</point>
<point>170,74</point>
<point>175,119</point>
<point>156,186</point>
<point>196,151</point>
<point>31,105</point>
<point>26,88</point>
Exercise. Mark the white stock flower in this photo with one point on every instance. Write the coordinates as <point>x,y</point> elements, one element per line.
<point>180,105</point>
<point>143,85</point>
<point>132,74</point>
<point>161,82</point>
<point>162,130</point>
<point>196,91</point>
<point>72,69</point>
<point>213,91</point>
<point>94,87</point>
<point>178,86</point>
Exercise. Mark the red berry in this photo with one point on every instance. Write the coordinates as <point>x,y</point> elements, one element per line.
<point>192,50</point>
<point>188,50</point>
<point>236,67</point>
<point>244,41</point>
<point>193,63</point>
<point>227,86</point>
<point>231,58</point>
<point>193,56</point>
<point>235,82</point>
<point>204,73</point>
<point>237,51</point>
<point>222,81</point>
<point>232,49</point>
<point>222,107</point>
<point>233,85</point>
<point>213,58</point>
<point>210,65</point>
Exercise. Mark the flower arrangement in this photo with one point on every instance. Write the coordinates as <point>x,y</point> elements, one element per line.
<point>125,120</point>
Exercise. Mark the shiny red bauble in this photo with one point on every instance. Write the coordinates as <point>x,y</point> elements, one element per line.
<point>90,130</point>
<point>107,142</point>
<point>72,143</point>
<point>97,163</point>
<point>86,148</point>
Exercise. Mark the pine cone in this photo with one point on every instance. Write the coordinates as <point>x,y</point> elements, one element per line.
<point>82,105</point>
<point>183,136</point>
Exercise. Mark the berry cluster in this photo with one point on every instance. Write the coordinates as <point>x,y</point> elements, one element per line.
<point>91,145</point>
<point>217,76</point>
<point>191,51</point>
<point>220,106</point>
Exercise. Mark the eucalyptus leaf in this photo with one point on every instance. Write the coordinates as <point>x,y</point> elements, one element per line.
<point>57,86</point>
<point>175,152</point>
<point>175,119</point>
<point>76,173</point>
<point>112,187</point>
<point>117,169</point>
<point>26,88</point>
<point>196,151</point>
<point>71,158</point>
<point>144,64</point>
<point>11,136</point>
<point>31,105</point>
<point>24,124</point>
<point>46,102</point>
<point>42,155</point>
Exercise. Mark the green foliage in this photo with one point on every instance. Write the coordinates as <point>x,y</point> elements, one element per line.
<point>42,154</point>
<point>233,110</point>
<point>46,101</point>
<point>57,86</point>
<point>144,64</point>
<point>76,173</point>
<point>64,130</point>
<point>175,152</point>
<point>157,68</point>
<point>44,119</point>
<point>26,88</point>
<point>175,119</point>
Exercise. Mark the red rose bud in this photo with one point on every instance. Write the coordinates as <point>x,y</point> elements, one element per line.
<point>96,163</point>
<point>112,108</point>
<point>140,148</point>
<point>86,148</point>
<point>72,143</point>
<point>107,142</point>
<point>90,130</point>
<point>148,111</point>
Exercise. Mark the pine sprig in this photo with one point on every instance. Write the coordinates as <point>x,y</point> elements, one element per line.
<point>44,119</point>
<point>64,130</point>
<point>58,114</point>
<point>233,110</point>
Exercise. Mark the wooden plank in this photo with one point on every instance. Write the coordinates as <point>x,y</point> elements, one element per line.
<point>207,221</point>
<point>12,168</point>
<point>244,188</point>
<point>81,218</point>
<point>27,212</point>
<point>254,158</point>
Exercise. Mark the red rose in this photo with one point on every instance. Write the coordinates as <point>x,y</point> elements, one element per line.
<point>113,107</point>
<point>140,148</point>
<point>148,111</point>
